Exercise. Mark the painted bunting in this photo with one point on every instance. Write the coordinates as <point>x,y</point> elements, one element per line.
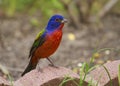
<point>46,42</point>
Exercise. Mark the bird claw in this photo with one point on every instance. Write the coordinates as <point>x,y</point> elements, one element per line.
<point>52,65</point>
<point>40,70</point>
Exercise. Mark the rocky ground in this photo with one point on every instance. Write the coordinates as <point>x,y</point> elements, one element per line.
<point>77,45</point>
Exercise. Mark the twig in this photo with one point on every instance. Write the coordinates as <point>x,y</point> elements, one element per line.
<point>1,37</point>
<point>80,11</point>
<point>107,71</point>
<point>70,14</point>
<point>84,14</point>
<point>89,7</point>
<point>107,8</point>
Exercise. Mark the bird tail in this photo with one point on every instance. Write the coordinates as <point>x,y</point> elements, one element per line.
<point>29,68</point>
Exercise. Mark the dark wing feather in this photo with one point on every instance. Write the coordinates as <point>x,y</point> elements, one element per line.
<point>40,39</point>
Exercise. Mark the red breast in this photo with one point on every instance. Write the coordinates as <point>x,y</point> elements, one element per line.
<point>50,45</point>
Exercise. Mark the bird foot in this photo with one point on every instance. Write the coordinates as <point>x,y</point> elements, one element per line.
<point>53,65</point>
<point>40,70</point>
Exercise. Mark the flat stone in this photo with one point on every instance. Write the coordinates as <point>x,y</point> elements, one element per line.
<point>100,75</point>
<point>4,82</point>
<point>48,76</point>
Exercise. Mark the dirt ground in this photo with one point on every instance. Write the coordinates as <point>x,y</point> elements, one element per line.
<point>18,36</point>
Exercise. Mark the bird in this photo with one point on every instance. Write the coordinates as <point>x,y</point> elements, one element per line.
<point>46,42</point>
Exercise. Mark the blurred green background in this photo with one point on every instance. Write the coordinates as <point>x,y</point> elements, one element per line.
<point>78,11</point>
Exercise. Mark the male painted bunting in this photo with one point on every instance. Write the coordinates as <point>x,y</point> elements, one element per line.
<point>46,42</point>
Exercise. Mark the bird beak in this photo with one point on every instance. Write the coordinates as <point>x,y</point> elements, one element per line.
<point>64,21</point>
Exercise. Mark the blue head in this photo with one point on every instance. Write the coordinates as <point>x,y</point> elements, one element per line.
<point>54,22</point>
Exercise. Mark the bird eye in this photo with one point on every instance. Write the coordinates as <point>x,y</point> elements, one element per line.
<point>57,20</point>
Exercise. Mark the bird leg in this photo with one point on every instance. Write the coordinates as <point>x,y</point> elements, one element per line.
<point>51,63</point>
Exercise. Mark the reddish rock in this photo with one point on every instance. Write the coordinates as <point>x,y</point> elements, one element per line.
<point>100,74</point>
<point>4,82</point>
<point>49,76</point>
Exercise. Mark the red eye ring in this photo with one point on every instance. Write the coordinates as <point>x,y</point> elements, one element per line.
<point>57,20</point>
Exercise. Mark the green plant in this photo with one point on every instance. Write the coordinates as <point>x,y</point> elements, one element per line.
<point>6,73</point>
<point>46,7</point>
<point>119,75</point>
<point>86,68</point>
<point>66,79</point>
<point>108,75</point>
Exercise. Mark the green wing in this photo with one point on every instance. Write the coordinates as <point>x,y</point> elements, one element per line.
<point>39,40</point>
